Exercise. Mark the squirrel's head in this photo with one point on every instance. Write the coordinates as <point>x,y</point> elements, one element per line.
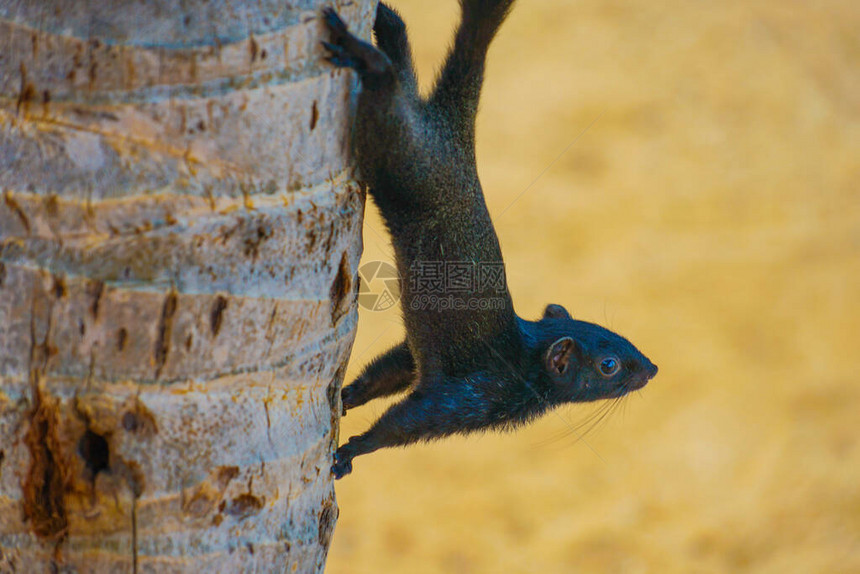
<point>587,362</point>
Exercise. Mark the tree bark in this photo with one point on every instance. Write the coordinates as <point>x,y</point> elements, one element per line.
<point>179,235</point>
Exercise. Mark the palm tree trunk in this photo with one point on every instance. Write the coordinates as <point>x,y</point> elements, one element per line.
<point>179,233</point>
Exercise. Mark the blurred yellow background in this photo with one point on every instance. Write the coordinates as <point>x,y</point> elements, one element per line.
<point>711,214</point>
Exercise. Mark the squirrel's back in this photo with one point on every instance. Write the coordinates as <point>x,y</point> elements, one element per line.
<point>417,155</point>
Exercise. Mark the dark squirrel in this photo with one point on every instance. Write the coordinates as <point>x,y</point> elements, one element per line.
<point>475,367</point>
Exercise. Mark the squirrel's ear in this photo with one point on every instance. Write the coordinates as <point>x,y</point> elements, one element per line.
<point>554,311</point>
<point>558,355</point>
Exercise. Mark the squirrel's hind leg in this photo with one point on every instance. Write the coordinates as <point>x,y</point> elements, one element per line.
<point>391,38</point>
<point>347,51</point>
<point>458,87</point>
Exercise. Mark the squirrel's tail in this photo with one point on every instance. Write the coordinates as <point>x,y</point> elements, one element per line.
<point>459,84</point>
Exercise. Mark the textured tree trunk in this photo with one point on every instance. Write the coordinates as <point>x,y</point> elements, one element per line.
<point>178,241</point>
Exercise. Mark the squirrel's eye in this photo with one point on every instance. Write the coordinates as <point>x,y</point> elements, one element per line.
<point>609,366</point>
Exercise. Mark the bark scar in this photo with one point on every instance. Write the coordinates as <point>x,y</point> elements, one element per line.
<point>44,486</point>
<point>43,490</point>
<point>96,290</point>
<point>340,288</point>
<point>165,330</point>
<point>216,317</point>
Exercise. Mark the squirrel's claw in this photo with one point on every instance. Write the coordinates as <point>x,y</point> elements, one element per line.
<point>334,23</point>
<point>339,56</point>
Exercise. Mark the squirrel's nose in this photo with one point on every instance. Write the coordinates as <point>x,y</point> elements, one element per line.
<point>652,370</point>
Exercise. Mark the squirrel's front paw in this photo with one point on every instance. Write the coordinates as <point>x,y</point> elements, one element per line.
<point>342,464</point>
<point>349,397</point>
